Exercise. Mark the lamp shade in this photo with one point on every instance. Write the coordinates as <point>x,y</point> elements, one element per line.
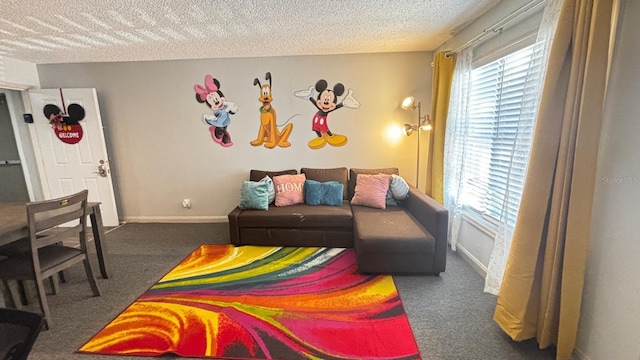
<point>408,102</point>
<point>407,129</point>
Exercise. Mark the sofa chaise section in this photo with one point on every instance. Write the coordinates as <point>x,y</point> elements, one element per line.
<point>407,239</point>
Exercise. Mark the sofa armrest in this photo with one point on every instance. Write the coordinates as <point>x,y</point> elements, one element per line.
<point>234,229</point>
<point>435,218</point>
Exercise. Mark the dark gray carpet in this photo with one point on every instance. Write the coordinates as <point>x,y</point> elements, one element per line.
<point>450,315</point>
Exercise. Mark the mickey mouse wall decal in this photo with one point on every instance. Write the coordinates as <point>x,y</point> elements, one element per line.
<point>326,102</point>
<point>268,134</point>
<point>215,100</point>
<point>65,125</point>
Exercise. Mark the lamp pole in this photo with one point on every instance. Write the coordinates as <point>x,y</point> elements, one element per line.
<point>418,161</point>
<point>418,150</point>
<point>409,104</point>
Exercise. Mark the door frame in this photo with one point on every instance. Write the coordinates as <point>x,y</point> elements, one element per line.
<point>29,151</point>
<point>35,193</point>
<point>106,191</point>
<point>35,145</point>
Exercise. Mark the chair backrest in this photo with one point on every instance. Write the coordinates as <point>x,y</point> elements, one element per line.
<point>47,214</point>
<point>20,330</point>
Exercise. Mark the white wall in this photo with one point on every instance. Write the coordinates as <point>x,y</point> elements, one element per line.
<point>610,320</point>
<point>17,72</point>
<point>162,152</point>
<point>511,32</point>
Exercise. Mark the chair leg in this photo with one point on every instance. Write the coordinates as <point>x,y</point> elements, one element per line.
<point>55,288</point>
<point>23,292</point>
<point>13,294</point>
<point>42,297</point>
<point>61,274</point>
<point>62,278</point>
<point>91,277</point>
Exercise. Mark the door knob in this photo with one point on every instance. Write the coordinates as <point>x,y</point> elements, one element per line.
<point>103,169</point>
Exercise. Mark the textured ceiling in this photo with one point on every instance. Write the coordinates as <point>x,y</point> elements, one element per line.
<point>62,31</point>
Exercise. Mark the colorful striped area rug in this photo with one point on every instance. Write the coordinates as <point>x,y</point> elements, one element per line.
<point>254,302</point>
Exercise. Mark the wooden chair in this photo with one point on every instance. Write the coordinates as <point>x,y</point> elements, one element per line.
<point>19,331</point>
<point>47,256</point>
<point>20,247</point>
<point>23,246</point>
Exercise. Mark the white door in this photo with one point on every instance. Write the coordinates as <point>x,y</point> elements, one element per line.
<point>74,160</point>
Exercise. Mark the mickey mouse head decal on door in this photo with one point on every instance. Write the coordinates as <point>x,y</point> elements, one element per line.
<point>65,125</point>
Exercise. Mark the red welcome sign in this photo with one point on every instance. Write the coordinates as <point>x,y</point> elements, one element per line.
<point>69,134</point>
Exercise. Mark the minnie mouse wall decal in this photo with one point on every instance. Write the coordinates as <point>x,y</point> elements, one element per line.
<point>215,100</point>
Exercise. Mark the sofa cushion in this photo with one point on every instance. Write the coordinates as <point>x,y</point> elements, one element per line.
<point>289,189</point>
<point>390,200</point>
<point>272,190</point>
<point>399,187</point>
<point>256,175</point>
<point>371,190</point>
<point>389,231</point>
<point>298,216</point>
<point>323,193</point>
<point>340,175</point>
<point>353,175</point>
<point>321,237</point>
<point>254,195</point>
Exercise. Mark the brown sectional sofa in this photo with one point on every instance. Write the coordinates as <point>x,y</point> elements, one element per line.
<point>404,239</point>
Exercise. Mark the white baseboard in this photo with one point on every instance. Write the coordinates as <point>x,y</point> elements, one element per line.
<point>469,258</point>
<point>578,355</point>
<point>176,219</point>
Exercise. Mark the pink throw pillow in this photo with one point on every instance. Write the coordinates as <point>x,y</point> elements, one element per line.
<point>371,190</point>
<point>289,189</point>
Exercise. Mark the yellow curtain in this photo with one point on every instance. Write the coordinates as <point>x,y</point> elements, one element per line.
<point>443,67</point>
<point>541,292</point>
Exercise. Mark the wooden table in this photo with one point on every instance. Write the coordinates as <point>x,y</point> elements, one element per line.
<point>14,226</point>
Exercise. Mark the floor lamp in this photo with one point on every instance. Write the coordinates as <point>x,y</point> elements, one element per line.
<point>424,123</point>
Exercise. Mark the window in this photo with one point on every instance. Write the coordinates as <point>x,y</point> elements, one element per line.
<point>495,112</point>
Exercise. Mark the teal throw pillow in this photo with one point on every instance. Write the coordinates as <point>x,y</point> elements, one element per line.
<point>254,195</point>
<point>323,193</point>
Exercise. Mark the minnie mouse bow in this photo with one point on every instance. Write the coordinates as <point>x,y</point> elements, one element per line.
<point>210,87</point>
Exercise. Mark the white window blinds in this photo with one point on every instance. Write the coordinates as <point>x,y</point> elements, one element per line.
<point>496,95</point>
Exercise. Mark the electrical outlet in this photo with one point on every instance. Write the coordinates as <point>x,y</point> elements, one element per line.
<point>186,203</point>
